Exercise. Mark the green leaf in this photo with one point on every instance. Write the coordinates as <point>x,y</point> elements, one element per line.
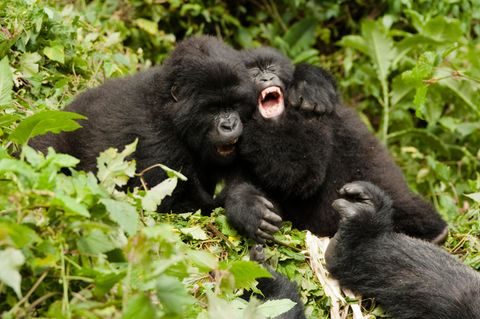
<point>274,308</point>
<point>113,169</point>
<point>474,196</point>
<point>355,42</point>
<point>18,167</point>
<point>95,242</point>
<point>139,306</point>
<point>19,234</point>
<point>10,262</point>
<point>301,35</point>
<point>29,64</point>
<point>44,122</point>
<point>123,214</point>
<point>380,47</point>
<point>55,53</point>
<point>7,119</point>
<point>196,232</point>
<point>173,295</point>
<point>70,205</point>
<point>245,273</point>
<point>155,195</point>
<point>203,260</point>
<point>6,82</point>
<point>147,25</point>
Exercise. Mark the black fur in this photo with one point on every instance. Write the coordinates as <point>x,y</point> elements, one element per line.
<point>277,287</point>
<point>300,159</point>
<point>180,112</point>
<point>409,278</point>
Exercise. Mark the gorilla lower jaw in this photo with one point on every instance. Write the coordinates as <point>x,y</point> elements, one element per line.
<point>270,102</point>
<point>227,149</point>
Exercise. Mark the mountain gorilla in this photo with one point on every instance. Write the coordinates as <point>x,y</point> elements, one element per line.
<point>410,278</point>
<point>278,286</point>
<point>187,114</point>
<point>295,158</point>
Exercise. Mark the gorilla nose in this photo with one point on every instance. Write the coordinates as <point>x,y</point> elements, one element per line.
<point>266,79</point>
<point>230,126</point>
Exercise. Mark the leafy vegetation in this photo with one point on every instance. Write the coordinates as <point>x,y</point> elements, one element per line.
<point>76,247</point>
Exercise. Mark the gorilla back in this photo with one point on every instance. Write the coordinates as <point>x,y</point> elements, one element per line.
<point>186,114</point>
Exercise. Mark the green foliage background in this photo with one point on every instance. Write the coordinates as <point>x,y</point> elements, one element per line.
<point>74,247</point>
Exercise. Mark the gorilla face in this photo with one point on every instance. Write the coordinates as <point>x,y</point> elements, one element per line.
<point>210,106</point>
<point>271,73</point>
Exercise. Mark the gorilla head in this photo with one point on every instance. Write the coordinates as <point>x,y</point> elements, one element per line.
<point>211,96</point>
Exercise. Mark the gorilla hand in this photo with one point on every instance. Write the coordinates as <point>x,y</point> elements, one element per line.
<point>313,90</point>
<point>251,213</point>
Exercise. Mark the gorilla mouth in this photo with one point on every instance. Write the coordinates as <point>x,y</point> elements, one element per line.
<point>270,102</point>
<point>227,149</point>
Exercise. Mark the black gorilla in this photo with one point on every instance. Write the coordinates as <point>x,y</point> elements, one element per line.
<point>277,287</point>
<point>410,278</point>
<point>186,114</point>
<point>295,158</point>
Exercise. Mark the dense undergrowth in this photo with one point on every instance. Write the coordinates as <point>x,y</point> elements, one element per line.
<point>75,247</point>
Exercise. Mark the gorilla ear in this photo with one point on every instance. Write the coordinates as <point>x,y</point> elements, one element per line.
<point>174,93</point>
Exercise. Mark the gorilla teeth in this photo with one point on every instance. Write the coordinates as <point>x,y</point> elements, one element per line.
<point>228,148</point>
<point>270,102</point>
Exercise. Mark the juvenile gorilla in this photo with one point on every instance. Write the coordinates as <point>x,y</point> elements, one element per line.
<point>296,158</point>
<point>277,287</point>
<point>410,278</point>
<point>186,114</point>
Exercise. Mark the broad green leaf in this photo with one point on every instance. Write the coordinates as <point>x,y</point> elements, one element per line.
<point>155,195</point>
<point>70,205</point>
<point>380,47</point>
<point>29,64</point>
<point>173,295</point>
<point>18,167</point>
<point>301,35</point>
<point>196,232</point>
<point>355,42</point>
<point>203,260</point>
<point>123,214</point>
<point>10,262</point>
<point>6,82</point>
<point>55,53</point>
<point>7,119</point>
<point>147,25</point>
<point>462,88</point>
<point>274,308</point>
<point>139,306</point>
<point>44,122</point>
<point>19,234</point>
<point>113,168</point>
<point>220,308</point>
<point>245,273</point>
<point>95,242</point>
<point>474,196</point>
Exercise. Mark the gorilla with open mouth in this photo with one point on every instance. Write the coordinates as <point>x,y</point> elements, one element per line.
<point>187,114</point>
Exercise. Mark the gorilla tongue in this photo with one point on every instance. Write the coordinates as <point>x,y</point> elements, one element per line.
<point>270,102</point>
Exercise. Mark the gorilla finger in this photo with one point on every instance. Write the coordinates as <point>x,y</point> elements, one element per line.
<point>265,202</point>
<point>307,106</point>
<point>344,207</point>
<point>267,227</point>
<point>257,253</point>
<point>260,234</point>
<point>272,218</point>
<point>354,190</point>
<point>319,108</point>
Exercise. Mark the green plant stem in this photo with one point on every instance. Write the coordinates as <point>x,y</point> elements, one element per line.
<point>65,302</point>
<point>386,111</point>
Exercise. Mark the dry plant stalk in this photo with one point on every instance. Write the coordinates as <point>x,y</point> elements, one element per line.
<point>339,310</point>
